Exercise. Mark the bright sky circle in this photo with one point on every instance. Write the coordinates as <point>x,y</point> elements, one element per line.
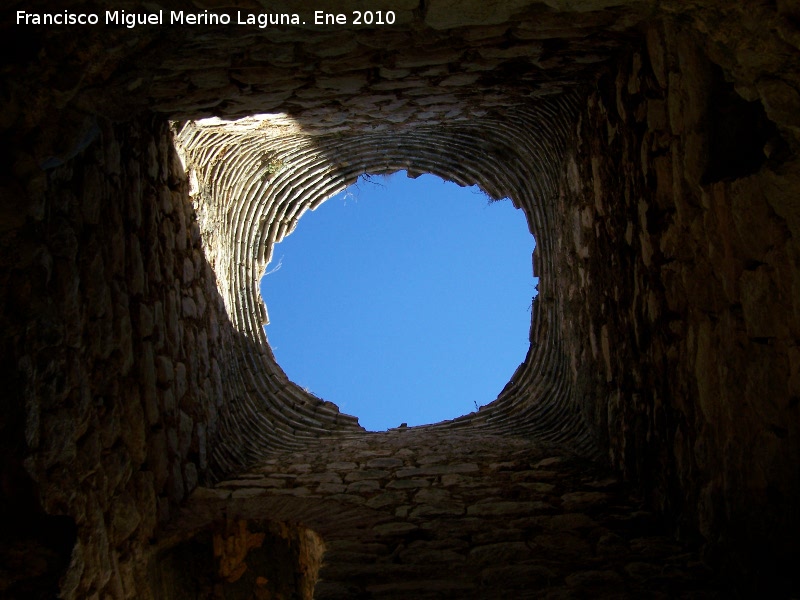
<point>403,300</point>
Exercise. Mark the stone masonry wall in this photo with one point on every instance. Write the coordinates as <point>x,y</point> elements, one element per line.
<point>429,514</point>
<point>666,219</point>
<point>117,329</point>
<point>679,267</point>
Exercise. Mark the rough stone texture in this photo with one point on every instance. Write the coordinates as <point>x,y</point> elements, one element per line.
<point>653,148</point>
<point>496,517</point>
<point>107,442</point>
<point>685,237</point>
<point>309,169</point>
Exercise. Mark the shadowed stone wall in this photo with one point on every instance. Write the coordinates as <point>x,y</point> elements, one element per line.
<point>677,212</point>
<point>652,148</point>
<point>115,325</point>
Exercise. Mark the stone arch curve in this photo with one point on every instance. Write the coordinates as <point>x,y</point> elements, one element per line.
<point>257,182</point>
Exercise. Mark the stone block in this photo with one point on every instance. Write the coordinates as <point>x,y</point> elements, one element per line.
<point>125,518</point>
<point>136,266</point>
<point>408,484</point>
<point>175,485</point>
<point>499,553</point>
<point>190,476</point>
<point>524,576</point>
<point>781,101</point>
<point>188,307</point>
<point>575,501</point>
<point>186,426</point>
<point>460,79</point>
<point>181,383</point>
<point>393,529</point>
<point>58,437</point>
<point>366,474</point>
<point>594,580</point>
<point>341,466</point>
<point>349,84</point>
<point>157,458</point>
<point>147,383</point>
<point>133,433</point>
<point>164,371</point>
<point>360,487</point>
<point>188,271</point>
<point>761,301</point>
<point>504,508</point>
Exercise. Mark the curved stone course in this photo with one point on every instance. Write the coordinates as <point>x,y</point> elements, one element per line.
<point>246,208</point>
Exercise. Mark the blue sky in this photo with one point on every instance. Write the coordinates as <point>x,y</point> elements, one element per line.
<point>403,300</point>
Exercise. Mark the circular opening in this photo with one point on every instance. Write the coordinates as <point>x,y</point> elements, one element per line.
<point>403,301</point>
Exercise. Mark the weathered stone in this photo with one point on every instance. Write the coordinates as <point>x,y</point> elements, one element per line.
<point>125,518</point>
<point>594,580</point>
<point>148,383</point>
<point>407,484</point>
<point>134,253</point>
<point>366,485</point>
<point>504,508</point>
<point>295,491</point>
<point>384,463</point>
<point>427,556</point>
<point>780,101</point>
<point>247,492</point>
<point>499,553</point>
<point>331,488</point>
<point>440,509</point>
<point>642,571</point>
<point>758,296</point>
<point>569,521</point>
<point>662,336</point>
<point>582,500</point>
<point>537,487</point>
<point>186,426</point>
<point>181,383</point>
<point>168,403</point>
<point>175,484</point>
<point>386,499</point>
<point>320,478</point>
<point>437,470</point>
<point>341,466</point>
<point>562,546</point>
<point>397,528</point>
<point>349,84</point>
<point>164,372</point>
<point>366,474</point>
<point>188,271</point>
<point>157,458</point>
<point>262,482</point>
<point>517,577</point>
<point>203,493</point>
<point>459,80</point>
<point>133,432</point>
<point>188,307</point>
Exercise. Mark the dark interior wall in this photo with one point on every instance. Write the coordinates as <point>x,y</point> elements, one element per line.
<point>112,341</point>
<point>678,263</point>
<point>673,262</point>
